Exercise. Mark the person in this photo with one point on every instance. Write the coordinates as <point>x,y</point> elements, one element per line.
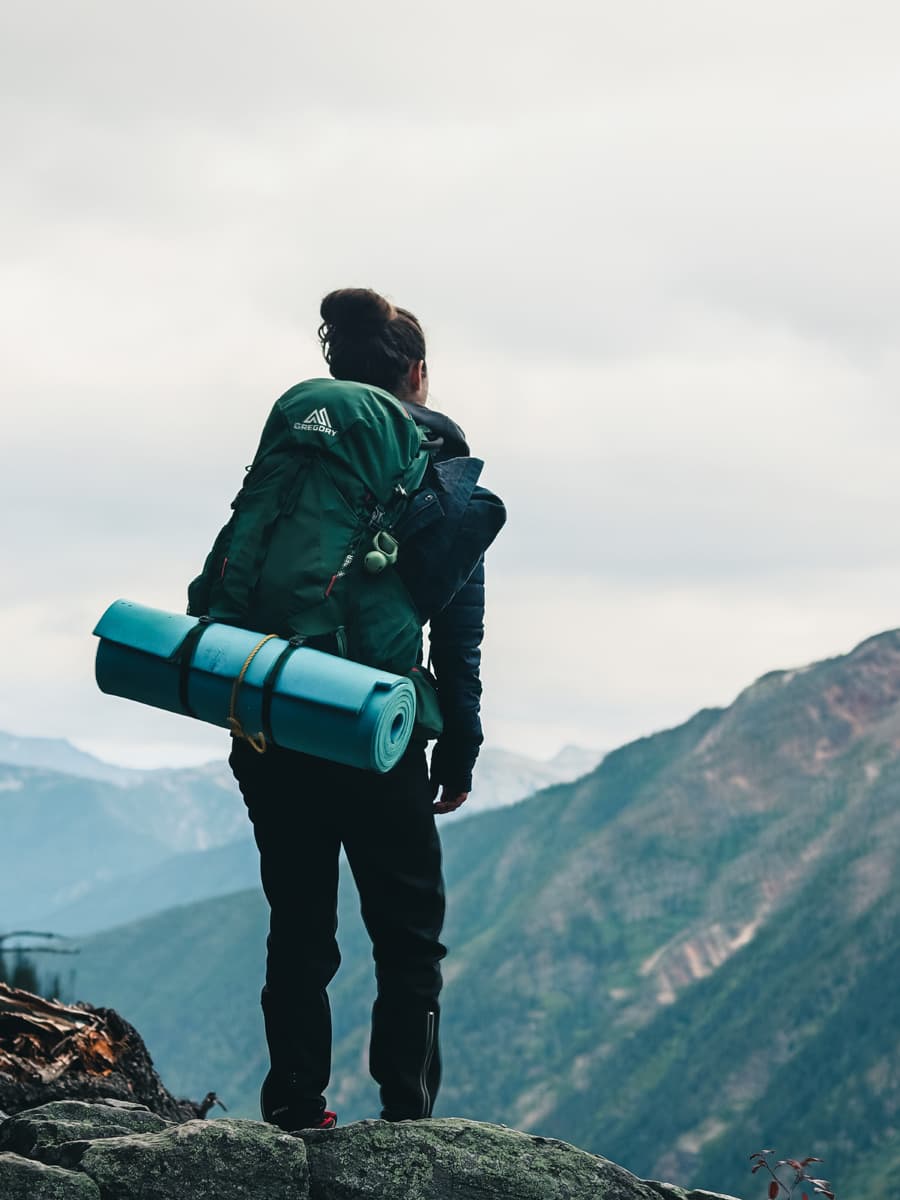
<point>304,808</point>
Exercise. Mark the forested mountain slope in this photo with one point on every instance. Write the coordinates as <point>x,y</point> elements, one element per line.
<point>688,953</point>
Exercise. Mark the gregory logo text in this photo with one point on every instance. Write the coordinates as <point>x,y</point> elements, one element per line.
<point>316,422</point>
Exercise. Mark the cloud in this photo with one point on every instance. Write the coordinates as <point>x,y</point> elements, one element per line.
<point>602,664</point>
<point>653,247</point>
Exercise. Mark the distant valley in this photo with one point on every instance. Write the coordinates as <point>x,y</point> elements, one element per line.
<point>86,844</point>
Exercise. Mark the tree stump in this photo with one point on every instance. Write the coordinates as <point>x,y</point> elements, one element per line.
<point>52,1051</point>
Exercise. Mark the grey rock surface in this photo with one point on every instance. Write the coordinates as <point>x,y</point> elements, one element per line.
<point>700,1194</point>
<point>22,1179</point>
<point>43,1132</point>
<point>201,1160</point>
<point>671,1191</point>
<point>122,1105</point>
<point>118,1150</point>
<point>455,1159</point>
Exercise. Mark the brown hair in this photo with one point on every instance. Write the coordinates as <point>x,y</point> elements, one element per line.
<point>364,337</point>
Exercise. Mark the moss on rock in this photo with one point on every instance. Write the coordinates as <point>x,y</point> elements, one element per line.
<point>202,1160</point>
<point>122,1151</point>
<point>41,1132</point>
<point>459,1159</point>
<point>23,1179</point>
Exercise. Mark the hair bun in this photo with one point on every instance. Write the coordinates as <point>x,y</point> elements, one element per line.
<point>356,311</point>
<point>364,337</point>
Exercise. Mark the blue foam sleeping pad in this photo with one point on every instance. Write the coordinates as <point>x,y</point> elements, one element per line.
<point>320,704</point>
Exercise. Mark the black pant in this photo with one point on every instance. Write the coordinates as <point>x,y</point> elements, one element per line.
<point>303,809</point>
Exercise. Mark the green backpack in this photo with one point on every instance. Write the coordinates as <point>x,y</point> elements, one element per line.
<point>307,553</point>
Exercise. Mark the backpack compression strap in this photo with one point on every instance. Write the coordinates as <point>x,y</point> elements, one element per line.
<point>185,656</point>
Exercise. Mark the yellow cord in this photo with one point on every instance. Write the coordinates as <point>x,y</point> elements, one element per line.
<point>256,740</point>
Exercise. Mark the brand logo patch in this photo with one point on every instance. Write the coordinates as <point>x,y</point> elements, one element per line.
<point>318,421</point>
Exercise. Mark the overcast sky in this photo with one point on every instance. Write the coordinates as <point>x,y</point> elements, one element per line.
<point>654,248</point>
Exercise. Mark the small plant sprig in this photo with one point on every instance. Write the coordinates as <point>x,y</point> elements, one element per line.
<point>778,1187</point>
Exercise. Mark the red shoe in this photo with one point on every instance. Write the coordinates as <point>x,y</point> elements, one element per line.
<point>279,1106</point>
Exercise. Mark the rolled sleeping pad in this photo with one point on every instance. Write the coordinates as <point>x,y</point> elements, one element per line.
<point>302,699</point>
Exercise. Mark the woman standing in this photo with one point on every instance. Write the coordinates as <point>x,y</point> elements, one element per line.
<point>305,808</point>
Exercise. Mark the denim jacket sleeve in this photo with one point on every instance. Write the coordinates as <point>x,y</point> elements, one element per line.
<point>456,634</point>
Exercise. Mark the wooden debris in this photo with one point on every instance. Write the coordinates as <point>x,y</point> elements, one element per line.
<point>52,1051</point>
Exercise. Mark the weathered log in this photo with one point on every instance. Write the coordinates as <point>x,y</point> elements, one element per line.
<point>52,1051</point>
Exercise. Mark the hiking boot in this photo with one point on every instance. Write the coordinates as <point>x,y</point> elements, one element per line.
<point>282,1105</point>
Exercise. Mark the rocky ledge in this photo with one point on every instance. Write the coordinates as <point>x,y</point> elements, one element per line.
<point>117,1150</point>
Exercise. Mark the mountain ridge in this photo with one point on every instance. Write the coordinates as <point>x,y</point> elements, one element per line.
<point>616,943</point>
<point>685,953</point>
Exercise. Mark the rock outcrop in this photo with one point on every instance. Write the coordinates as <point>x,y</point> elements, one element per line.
<point>115,1150</point>
<point>52,1051</point>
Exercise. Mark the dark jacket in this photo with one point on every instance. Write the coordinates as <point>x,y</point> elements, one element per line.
<point>456,628</point>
